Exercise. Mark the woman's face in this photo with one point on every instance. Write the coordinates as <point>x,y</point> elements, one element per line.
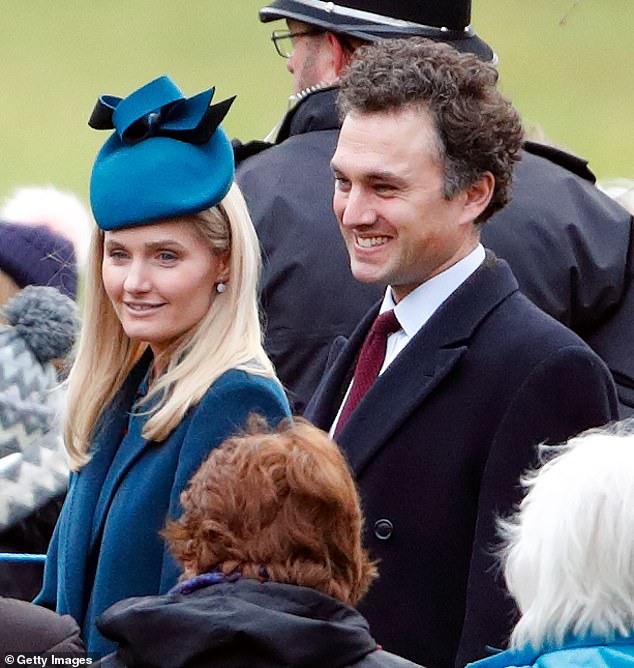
<point>160,279</point>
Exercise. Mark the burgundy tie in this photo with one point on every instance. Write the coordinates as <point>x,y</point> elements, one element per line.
<point>369,363</point>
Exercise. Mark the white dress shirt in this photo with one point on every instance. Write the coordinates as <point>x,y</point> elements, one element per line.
<point>417,308</point>
<point>414,310</point>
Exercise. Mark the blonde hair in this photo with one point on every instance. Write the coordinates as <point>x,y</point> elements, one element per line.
<point>228,337</point>
<point>620,190</point>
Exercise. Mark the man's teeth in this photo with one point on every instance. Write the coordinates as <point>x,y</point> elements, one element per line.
<point>369,242</point>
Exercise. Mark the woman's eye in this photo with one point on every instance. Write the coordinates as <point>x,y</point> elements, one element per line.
<point>167,256</point>
<point>117,255</point>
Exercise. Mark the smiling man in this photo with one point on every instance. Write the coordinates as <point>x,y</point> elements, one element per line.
<point>570,246</point>
<point>389,177</point>
<point>442,393</point>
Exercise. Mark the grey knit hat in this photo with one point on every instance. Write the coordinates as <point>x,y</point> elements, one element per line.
<point>42,326</point>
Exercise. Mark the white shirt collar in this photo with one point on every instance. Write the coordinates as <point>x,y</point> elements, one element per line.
<point>414,310</point>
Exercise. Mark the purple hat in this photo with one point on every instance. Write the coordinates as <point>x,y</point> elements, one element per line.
<point>33,255</point>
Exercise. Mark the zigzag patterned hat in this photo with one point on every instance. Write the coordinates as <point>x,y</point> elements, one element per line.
<point>42,326</point>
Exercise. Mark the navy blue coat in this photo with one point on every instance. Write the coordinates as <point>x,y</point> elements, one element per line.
<point>437,446</point>
<point>308,294</point>
<point>570,247</point>
<point>106,544</point>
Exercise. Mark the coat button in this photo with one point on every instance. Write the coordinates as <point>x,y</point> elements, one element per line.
<point>383,529</point>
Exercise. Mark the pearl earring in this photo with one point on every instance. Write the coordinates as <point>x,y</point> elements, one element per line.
<point>220,287</point>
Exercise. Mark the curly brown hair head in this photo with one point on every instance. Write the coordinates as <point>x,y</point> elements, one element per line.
<point>282,500</point>
<point>477,128</point>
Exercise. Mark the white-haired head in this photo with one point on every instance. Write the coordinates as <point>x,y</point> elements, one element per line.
<point>569,551</point>
<point>620,190</point>
<point>62,212</point>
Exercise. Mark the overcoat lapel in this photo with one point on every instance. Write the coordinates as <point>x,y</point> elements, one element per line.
<point>323,406</point>
<point>120,462</point>
<point>86,487</point>
<point>422,365</point>
<point>399,390</point>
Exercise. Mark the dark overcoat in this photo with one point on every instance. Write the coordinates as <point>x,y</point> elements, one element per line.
<point>309,296</point>
<point>106,545</point>
<point>437,446</point>
<point>570,247</point>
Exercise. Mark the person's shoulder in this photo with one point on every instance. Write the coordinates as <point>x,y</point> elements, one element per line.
<point>540,357</point>
<point>516,658</point>
<point>236,386</point>
<point>547,176</point>
<point>382,659</point>
<point>558,160</point>
<point>284,157</point>
<point>494,296</point>
<point>517,309</point>
<point>609,655</point>
<point>30,628</point>
<point>524,336</point>
<point>236,378</point>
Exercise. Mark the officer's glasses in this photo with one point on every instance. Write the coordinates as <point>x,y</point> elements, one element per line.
<point>284,40</point>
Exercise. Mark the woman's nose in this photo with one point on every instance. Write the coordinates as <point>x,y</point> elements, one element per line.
<point>137,278</point>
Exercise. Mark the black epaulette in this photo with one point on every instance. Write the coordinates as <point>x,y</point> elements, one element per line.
<point>243,151</point>
<point>573,163</point>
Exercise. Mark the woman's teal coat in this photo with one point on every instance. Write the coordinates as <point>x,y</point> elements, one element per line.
<point>106,546</point>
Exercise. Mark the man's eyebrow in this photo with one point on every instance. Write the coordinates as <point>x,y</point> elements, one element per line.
<point>377,175</point>
<point>385,175</point>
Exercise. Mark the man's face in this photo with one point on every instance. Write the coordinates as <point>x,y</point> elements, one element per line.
<point>398,227</point>
<point>310,61</point>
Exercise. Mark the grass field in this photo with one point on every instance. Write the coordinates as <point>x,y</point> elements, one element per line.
<point>573,77</point>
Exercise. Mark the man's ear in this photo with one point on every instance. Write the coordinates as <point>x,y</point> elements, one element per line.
<point>478,195</point>
<point>340,55</point>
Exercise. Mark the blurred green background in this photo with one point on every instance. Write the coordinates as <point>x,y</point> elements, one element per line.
<point>568,66</point>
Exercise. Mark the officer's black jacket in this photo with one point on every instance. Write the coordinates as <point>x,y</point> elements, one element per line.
<point>568,244</point>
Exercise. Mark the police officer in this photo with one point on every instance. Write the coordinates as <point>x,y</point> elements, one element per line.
<point>568,244</point>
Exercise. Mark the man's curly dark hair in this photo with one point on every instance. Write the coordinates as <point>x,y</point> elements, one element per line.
<point>478,129</point>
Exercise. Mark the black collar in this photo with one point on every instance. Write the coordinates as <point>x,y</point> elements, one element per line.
<point>317,111</point>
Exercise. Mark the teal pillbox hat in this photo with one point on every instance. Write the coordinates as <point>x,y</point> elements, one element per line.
<point>167,157</point>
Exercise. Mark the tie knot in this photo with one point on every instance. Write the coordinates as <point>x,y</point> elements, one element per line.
<point>387,323</point>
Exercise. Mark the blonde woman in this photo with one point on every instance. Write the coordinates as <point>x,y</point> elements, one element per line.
<point>170,360</point>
